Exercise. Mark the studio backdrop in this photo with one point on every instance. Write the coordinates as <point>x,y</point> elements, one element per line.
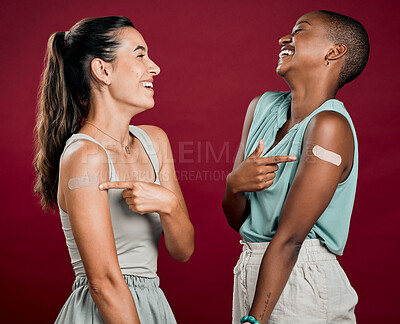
<point>215,56</point>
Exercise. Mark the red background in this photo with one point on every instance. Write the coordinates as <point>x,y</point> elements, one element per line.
<point>215,57</point>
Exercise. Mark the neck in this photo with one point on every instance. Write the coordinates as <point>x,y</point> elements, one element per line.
<point>308,96</point>
<point>111,117</point>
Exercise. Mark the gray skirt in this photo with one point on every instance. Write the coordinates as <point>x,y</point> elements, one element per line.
<point>317,292</point>
<point>150,302</point>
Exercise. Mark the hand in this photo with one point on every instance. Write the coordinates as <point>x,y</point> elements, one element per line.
<point>144,197</point>
<point>256,173</point>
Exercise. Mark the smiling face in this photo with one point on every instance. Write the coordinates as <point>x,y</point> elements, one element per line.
<point>133,71</point>
<point>305,49</point>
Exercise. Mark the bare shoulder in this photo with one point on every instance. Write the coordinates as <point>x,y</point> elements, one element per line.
<point>81,158</point>
<point>160,142</point>
<point>331,131</point>
<point>156,134</point>
<point>248,119</point>
<point>253,104</point>
<point>84,156</point>
<point>256,99</point>
<point>249,115</point>
<point>329,125</point>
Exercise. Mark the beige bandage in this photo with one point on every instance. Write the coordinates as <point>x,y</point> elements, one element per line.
<point>326,155</point>
<point>82,182</point>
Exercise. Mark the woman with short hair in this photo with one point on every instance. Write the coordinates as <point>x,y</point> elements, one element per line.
<point>291,192</point>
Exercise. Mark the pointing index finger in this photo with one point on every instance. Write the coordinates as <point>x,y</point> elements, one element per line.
<point>115,185</point>
<point>277,159</point>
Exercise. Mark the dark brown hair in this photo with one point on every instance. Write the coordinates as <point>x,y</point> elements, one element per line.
<point>65,91</point>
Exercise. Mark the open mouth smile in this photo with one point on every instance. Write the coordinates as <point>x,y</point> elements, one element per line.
<point>146,84</point>
<point>286,52</point>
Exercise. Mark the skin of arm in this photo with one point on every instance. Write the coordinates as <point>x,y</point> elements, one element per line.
<point>313,187</point>
<point>177,228</point>
<point>90,219</point>
<point>252,174</point>
<point>165,199</point>
<point>234,204</point>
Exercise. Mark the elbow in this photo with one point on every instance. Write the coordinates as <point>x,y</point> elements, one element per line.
<point>233,224</point>
<point>180,245</point>
<point>295,247</point>
<point>190,248</point>
<point>102,286</point>
<point>185,256</point>
<point>188,254</point>
<point>182,257</point>
<point>290,247</point>
<point>98,289</point>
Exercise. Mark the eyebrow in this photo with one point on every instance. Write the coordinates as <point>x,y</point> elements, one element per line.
<point>140,47</point>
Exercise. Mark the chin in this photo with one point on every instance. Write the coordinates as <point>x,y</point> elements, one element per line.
<point>140,107</point>
<point>151,105</point>
<point>147,104</point>
<point>280,71</point>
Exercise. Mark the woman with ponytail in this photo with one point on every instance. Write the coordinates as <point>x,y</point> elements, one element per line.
<point>114,183</point>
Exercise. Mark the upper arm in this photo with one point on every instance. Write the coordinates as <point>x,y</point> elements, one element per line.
<point>245,132</point>
<point>167,174</point>
<point>88,209</point>
<point>316,180</point>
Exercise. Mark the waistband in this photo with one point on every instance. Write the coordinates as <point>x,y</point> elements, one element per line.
<point>311,250</point>
<point>131,281</point>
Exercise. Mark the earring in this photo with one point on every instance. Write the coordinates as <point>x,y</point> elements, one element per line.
<point>327,60</point>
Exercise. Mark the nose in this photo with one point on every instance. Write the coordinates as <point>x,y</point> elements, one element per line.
<point>154,68</point>
<point>285,40</point>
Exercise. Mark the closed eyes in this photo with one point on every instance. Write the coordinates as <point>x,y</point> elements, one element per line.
<point>296,31</point>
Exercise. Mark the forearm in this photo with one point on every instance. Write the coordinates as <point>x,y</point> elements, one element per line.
<point>275,269</point>
<point>178,233</point>
<point>235,206</point>
<point>114,301</point>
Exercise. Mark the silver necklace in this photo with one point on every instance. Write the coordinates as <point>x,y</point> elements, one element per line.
<point>126,147</point>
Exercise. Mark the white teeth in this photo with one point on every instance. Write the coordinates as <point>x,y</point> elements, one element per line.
<point>147,84</point>
<point>285,53</point>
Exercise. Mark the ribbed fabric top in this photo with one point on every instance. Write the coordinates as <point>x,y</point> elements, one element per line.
<point>136,236</point>
<point>260,226</point>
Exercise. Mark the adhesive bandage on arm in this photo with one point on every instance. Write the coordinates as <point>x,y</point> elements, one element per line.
<point>82,182</point>
<point>326,155</point>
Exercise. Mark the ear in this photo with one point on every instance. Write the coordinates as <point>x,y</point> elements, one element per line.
<point>336,52</point>
<point>101,70</point>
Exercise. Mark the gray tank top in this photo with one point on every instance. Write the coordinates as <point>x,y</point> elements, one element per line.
<point>136,236</point>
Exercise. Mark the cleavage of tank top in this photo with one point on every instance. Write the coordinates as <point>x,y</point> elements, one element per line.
<point>281,118</point>
<point>277,139</point>
<point>136,236</point>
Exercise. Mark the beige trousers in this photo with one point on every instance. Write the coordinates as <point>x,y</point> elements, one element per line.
<point>317,291</point>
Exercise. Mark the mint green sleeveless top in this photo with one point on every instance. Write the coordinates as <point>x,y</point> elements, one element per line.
<point>332,227</point>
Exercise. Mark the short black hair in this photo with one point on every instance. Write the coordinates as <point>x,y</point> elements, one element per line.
<point>350,32</point>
